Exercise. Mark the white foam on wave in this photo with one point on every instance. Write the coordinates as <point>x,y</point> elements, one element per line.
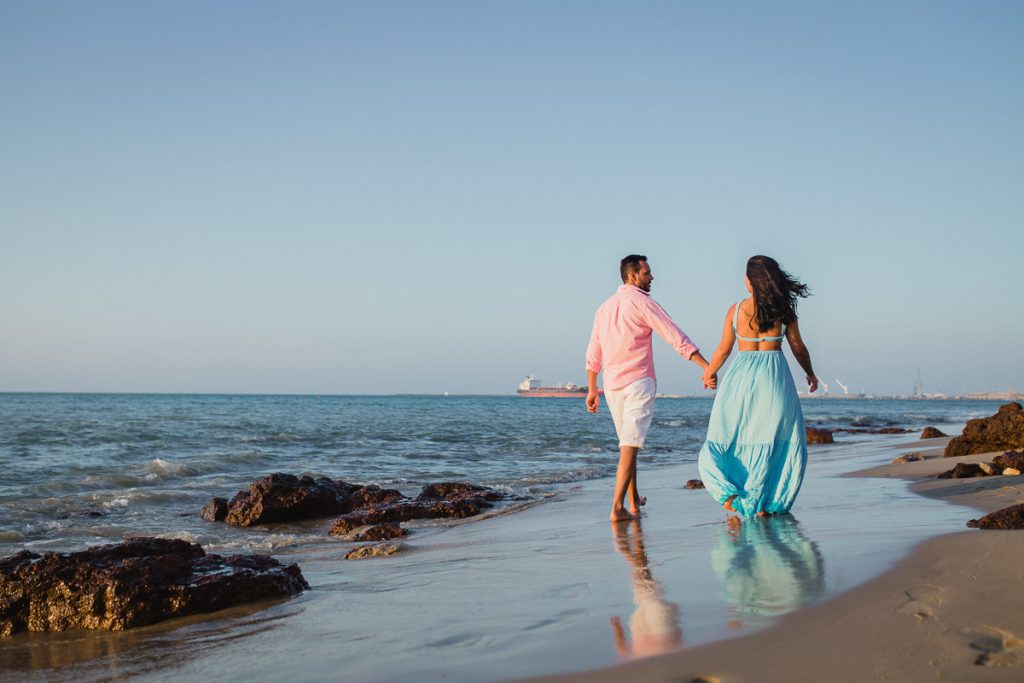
<point>158,468</point>
<point>116,503</point>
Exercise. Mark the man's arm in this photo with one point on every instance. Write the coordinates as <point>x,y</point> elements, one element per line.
<point>666,328</point>
<point>593,368</point>
<point>593,398</point>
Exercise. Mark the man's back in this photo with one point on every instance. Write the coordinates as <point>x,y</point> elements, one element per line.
<point>621,338</point>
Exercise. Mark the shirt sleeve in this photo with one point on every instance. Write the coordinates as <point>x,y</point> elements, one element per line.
<point>594,350</point>
<point>666,328</point>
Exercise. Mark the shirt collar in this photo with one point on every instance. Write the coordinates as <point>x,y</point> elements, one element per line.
<point>633,288</point>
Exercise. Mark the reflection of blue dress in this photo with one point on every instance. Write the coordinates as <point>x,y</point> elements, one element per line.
<point>756,448</point>
<point>769,568</point>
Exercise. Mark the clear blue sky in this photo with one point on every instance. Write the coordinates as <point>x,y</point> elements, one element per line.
<point>433,196</point>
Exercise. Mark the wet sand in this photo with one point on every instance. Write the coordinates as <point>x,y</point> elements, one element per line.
<point>951,611</point>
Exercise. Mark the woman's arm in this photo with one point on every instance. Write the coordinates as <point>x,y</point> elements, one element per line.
<point>724,347</point>
<point>802,355</point>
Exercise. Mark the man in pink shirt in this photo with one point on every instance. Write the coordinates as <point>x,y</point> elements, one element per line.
<point>621,344</point>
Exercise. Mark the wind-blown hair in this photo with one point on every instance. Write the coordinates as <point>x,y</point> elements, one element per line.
<point>630,264</point>
<point>775,292</point>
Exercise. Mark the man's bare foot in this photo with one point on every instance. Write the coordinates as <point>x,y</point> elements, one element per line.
<point>635,505</point>
<point>728,504</point>
<point>619,514</point>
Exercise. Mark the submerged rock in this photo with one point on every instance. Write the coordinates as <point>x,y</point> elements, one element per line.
<point>1002,431</point>
<point>380,532</point>
<point>1008,518</point>
<point>138,582</point>
<point>908,457</point>
<point>283,497</point>
<point>932,433</point>
<point>378,550</point>
<point>815,435</point>
<point>693,484</point>
<point>215,511</point>
<point>451,499</point>
<point>963,470</point>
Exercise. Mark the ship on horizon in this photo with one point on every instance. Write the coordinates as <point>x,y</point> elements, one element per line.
<point>530,386</point>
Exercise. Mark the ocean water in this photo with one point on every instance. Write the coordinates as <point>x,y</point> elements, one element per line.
<point>81,469</point>
<point>538,588</point>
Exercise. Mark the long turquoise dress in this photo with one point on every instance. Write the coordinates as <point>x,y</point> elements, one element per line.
<point>756,448</point>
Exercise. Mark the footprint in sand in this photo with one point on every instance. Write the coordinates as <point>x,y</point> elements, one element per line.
<point>920,602</point>
<point>999,647</point>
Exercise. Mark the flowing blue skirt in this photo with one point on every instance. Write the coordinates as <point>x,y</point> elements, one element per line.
<point>756,448</point>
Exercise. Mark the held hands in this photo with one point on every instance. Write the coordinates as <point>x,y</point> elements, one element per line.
<point>710,379</point>
<point>593,400</point>
<point>812,384</point>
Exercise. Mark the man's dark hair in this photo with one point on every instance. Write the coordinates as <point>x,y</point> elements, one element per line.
<point>630,264</point>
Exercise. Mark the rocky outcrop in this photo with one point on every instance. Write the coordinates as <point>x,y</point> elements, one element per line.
<point>283,497</point>
<point>908,457</point>
<point>693,484</point>
<point>1002,431</point>
<point>1007,518</point>
<point>452,500</point>
<point>815,435</point>
<point>932,433</point>
<point>138,582</point>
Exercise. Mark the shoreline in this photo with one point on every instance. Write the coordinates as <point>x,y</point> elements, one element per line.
<point>950,610</point>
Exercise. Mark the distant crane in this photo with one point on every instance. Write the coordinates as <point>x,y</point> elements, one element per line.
<point>846,389</point>
<point>919,387</point>
<point>824,386</point>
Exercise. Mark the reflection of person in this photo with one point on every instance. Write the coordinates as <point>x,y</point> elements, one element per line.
<point>754,458</point>
<point>654,624</point>
<point>621,343</point>
<point>769,568</point>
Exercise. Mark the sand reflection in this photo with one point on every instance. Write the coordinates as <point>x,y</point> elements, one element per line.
<point>654,625</point>
<point>768,567</point>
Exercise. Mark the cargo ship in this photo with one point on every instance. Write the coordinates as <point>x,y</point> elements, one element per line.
<point>531,387</point>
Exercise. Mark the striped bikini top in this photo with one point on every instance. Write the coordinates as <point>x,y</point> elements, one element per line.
<point>735,319</point>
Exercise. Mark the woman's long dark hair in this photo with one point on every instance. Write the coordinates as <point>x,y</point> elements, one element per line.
<point>775,292</point>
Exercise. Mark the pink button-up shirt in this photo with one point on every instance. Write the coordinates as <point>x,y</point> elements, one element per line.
<point>621,340</point>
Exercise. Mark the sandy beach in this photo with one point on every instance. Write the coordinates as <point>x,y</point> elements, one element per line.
<point>951,611</point>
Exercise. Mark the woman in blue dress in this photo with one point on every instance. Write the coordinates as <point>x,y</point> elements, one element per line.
<point>756,450</point>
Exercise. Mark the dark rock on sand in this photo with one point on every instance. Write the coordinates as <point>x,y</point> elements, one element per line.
<point>1009,460</point>
<point>963,470</point>
<point>1002,431</point>
<point>908,457</point>
<point>815,435</point>
<point>693,484</point>
<point>380,532</point>
<point>452,500</point>
<point>932,433</point>
<point>283,497</point>
<point>1007,518</point>
<point>138,582</point>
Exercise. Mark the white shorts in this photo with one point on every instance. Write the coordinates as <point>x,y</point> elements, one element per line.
<point>632,408</point>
